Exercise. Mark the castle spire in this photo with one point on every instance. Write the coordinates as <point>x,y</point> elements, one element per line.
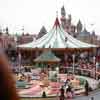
<point>56,9</point>
<point>22,30</point>
<point>63,12</point>
<point>7,31</point>
<point>56,14</point>
<point>79,26</point>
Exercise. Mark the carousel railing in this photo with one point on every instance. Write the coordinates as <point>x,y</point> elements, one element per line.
<point>81,71</point>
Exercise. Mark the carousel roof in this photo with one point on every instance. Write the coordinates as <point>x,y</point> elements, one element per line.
<point>47,56</point>
<point>57,38</point>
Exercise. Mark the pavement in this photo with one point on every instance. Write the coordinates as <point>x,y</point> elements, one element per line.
<point>95,95</point>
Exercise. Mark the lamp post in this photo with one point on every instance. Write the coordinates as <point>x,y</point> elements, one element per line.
<point>57,70</point>
<point>73,63</point>
<point>19,58</point>
<point>94,62</point>
<point>15,39</point>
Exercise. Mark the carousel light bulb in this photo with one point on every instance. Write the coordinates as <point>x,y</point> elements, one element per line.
<point>57,68</point>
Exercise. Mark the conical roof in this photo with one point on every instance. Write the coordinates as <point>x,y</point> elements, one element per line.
<point>79,25</point>
<point>57,38</point>
<point>42,32</point>
<point>63,12</point>
<point>47,56</point>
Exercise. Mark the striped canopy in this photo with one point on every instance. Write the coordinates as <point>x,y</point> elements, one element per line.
<point>57,38</point>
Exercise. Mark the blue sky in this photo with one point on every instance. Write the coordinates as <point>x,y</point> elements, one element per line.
<point>32,14</point>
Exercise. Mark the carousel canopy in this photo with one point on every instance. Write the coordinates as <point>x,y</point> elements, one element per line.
<point>57,38</point>
<point>47,56</point>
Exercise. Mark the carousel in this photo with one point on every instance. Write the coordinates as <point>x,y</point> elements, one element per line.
<point>58,41</point>
<point>52,48</point>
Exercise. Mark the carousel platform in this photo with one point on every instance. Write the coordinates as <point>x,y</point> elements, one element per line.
<point>35,88</point>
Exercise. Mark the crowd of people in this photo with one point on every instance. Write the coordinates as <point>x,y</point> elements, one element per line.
<point>66,92</point>
<point>82,62</point>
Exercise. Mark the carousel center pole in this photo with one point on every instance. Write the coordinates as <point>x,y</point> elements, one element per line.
<point>94,61</point>
<point>57,71</point>
<point>73,63</point>
<point>19,57</point>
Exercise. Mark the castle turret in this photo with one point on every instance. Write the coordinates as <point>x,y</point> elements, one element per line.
<point>72,30</point>
<point>63,18</point>
<point>69,19</point>
<point>93,33</point>
<point>79,27</point>
<point>0,30</point>
<point>84,36</point>
<point>93,37</point>
<point>7,31</point>
<point>63,12</point>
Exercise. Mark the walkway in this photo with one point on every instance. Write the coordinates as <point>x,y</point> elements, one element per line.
<point>96,96</point>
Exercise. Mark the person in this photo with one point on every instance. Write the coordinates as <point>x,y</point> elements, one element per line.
<point>86,88</point>
<point>92,98</point>
<point>7,83</point>
<point>69,92</point>
<point>65,83</point>
<point>62,93</point>
<point>44,94</point>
